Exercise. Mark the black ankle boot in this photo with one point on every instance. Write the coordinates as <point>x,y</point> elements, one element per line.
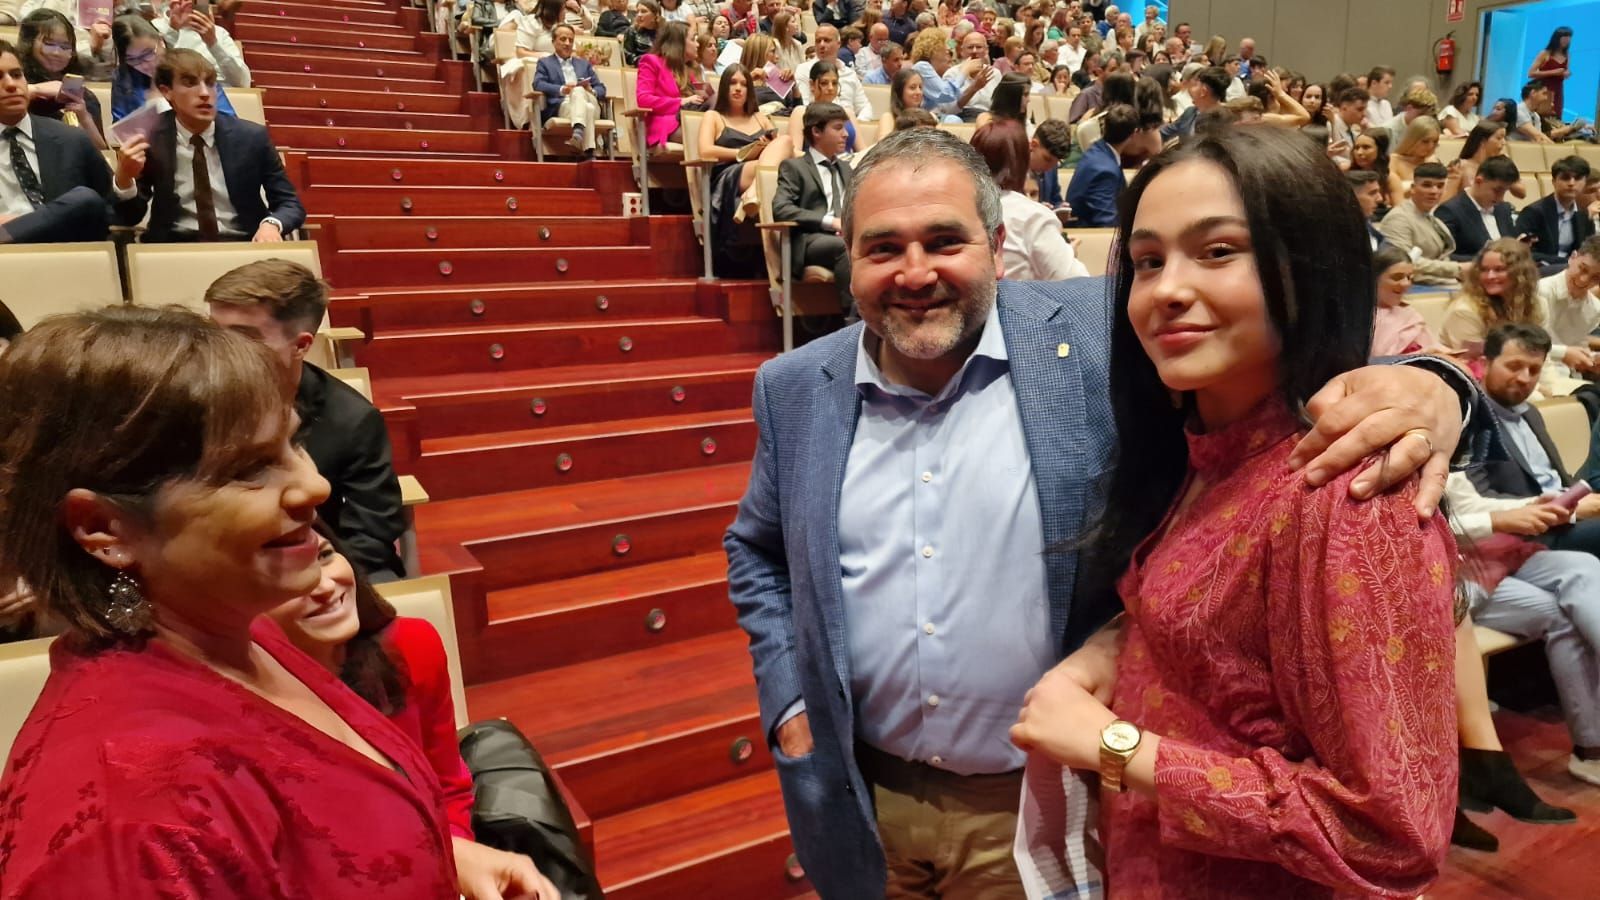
<point>1466,833</point>
<point>1490,780</point>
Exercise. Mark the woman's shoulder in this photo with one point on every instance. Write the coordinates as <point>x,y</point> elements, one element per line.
<point>418,643</point>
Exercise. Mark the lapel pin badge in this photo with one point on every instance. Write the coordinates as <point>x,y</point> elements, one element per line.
<point>1062,350</point>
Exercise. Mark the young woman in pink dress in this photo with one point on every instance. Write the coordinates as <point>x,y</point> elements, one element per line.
<point>1281,718</point>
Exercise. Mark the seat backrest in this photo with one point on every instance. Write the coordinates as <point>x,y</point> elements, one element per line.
<point>1553,152</point>
<point>1431,307</point>
<point>357,377</point>
<point>181,273</point>
<point>766,189</point>
<point>1547,184</point>
<point>691,120</point>
<point>1590,152</point>
<point>629,96</point>
<point>38,280</point>
<point>24,666</point>
<point>1449,149</point>
<point>1528,157</point>
<point>249,104</point>
<point>505,45</point>
<point>1094,247</point>
<point>1530,186</point>
<point>429,598</point>
<point>878,96</point>
<point>102,90</point>
<point>1059,106</point>
<point>1038,109</point>
<point>962,130</point>
<point>1568,424</point>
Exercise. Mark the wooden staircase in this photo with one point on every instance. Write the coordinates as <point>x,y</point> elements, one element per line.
<point>577,403</point>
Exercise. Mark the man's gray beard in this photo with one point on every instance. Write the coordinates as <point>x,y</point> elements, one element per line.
<point>931,342</point>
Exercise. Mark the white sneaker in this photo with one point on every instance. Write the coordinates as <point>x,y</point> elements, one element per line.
<point>1584,769</point>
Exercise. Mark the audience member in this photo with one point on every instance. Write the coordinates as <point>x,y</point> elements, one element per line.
<point>1497,287</point>
<point>1070,51</point>
<point>166,508</point>
<point>281,304</point>
<point>1556,223</point>
<point>811,193</point>
<point>571,89</point>
<point>139,49</point>
<point>869,60</point>
<point>1552,66</point>
<point>836,14</point>
<point>640,37</point>
<point>188,28</point>
<point>1380,81</point>
<point>1350,112</point>
<point>1313,100</point>
<point>1370,153</point>
<point>1416,103</point>
<point>1115,90</point>
<point>825,89</point>
<point>1396,328</point>
<point>914,118</point>
<point>1049,146</point>
<point>1460,116</point>
<point>1091,98</point>
<point>975,78</point>
<point>1527,126</point>
<point>1481,214</point>
<point>1486,141</point>
<point>613,20</point>
<point>1098,182</point>
<point>1414,146</point>
<point>219,199</point>
<point>736,135</point>
<point>93,40</point>
<point>1412,226</point>
<point>1208,86</point>
<point>784,27</point>
<point>900,23</point>
<point>930,57</point>
<point>847,85</point>
<point>1033,249</point>
<point>667,84</point>
<point>54,187</point>
<point>893,60</point>
<point>1570,310</point>
<point>45,45</point>
<point>1369,196</point>
<point>905,93</point>
<point>536,30</point>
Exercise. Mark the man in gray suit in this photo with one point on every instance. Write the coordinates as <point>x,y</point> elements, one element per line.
<point>1413,227</point>
<point>889,560</point>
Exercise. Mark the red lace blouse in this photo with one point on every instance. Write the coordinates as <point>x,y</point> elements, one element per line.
<point>429,716</point>
<point>144,774</point>
<point>1294,650</point>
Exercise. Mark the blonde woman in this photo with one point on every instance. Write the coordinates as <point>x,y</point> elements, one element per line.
<point>1416,146</point>
<point>1499,287</point>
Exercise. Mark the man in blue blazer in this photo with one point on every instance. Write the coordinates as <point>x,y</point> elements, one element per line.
<point>570,89</point>
<point>54,182</point>
<point>219,199</point>
<point>902,557</point>
<point>1098,181</point>
<point>1465,214</point>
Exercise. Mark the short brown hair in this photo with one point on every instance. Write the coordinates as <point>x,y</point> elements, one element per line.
<point>289,291</point>
<point>122,402</point>
<point>178,63</point>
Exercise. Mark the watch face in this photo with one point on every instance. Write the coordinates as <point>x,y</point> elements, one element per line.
<point>1120,736</point>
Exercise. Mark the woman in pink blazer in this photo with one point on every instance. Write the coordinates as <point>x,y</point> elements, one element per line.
<point>665,82</point>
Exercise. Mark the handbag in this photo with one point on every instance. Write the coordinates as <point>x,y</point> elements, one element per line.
<point>517,808</point>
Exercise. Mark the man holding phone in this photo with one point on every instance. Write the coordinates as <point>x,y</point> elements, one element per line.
<point>53,182</point>
<point>571,90</point>
<point>189,25</point>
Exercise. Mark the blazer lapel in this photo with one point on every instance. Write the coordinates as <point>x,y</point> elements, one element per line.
<point>838,405</point>
<point>233,169</point>
<point>1536,422</point>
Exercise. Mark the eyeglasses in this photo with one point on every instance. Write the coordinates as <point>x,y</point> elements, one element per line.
<point>59,48</point>
<point>134,59</point>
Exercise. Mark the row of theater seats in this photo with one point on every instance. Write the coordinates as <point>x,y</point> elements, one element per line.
<point>1533,164</point>
<point>107,274</point>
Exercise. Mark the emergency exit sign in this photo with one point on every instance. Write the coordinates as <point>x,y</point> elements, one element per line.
<point>1456,11</point>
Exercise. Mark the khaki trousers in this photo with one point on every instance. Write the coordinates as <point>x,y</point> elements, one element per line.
<point>944,835</point>
<point>581,108</point>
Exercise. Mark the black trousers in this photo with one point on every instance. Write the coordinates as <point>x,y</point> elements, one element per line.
<point>827,251</point>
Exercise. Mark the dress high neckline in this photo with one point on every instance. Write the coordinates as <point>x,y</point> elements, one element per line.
<point>1216,453</point>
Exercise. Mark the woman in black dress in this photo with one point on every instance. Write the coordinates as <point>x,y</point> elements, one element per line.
<point>739,138</point>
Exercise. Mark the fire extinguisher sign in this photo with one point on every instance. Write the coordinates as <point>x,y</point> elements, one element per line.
<point>1456,11</point>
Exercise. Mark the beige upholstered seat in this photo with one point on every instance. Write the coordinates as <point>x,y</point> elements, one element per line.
<point>180,273</point>
<point>779,264</point>
<point>1568,425</point>
<point>39,280</point>
<point>429,598</point>
<point>1094,247</point>
<point>249,104</point>
<point>24,666</point>
<point>1431,307</point>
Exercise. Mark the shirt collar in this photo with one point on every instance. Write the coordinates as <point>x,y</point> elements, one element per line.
<point>991,345</point>
<point>25,126</point>
<point>816,157</point>
<point>210,134</point>
<point>1508,413</point>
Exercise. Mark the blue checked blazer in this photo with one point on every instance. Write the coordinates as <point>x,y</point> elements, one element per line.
<point>783,548</point>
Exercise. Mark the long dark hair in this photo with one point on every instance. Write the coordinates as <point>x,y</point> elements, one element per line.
<point>39,25</point>
<point>723,103</point>
<point>1555,40</point>
<point>897,88</point>
<point>1479,135</point>
<point>9,326</point>
<point>368,669</point>
<point>1010,98</point>
<point>1315,265</point>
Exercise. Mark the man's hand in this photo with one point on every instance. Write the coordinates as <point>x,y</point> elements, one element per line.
<point>178,14</point>
<point>1578,358</point>
<point>205,26</point>
<point>130,161</point>
<point>1588,507</point>
<point>1529,521</point>
<point>268,233</point>
<point>99,33</point>
<point>1411,412</point>
<point>794,737</point>
<point>484,873</point>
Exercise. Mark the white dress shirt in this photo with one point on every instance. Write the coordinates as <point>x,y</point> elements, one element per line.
<point>826,177</point>
<point>983,98</point>
<point>13,202</point>
<point>1565,237</point>
<point>1490,223</point>
<point>225,55</point>
<point>1379,112</point>
<point>1072,58</point>
<point>851,95</point>
<point>1235,89</point>
<point>183,185</point>
<point>1569,320</point>
<point>1034,249</point>
<point>867,61</point>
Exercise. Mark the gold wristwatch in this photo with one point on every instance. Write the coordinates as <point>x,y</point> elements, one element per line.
<point>1119,741</point>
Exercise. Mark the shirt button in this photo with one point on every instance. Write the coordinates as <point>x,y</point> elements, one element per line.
<point>927,551</point>
<point>928,628</point>
<point>927,477</point>
<point>937,760</point>
<point>933,699</point>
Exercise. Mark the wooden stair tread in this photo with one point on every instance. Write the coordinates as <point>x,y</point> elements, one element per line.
<point>604,428</point>
<point>595,708</point>
<point>531,327</point>
<point>581,504</point>
<point>399,389</point>
<point>520,287</point>
<point>705,824</point>
<point>603,587</point>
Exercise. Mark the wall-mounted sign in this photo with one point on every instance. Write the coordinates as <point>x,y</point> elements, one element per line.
<point>1456,11</point>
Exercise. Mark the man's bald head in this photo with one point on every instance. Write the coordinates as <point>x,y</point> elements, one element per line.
<point>878,35</point>
<point>826,40</point>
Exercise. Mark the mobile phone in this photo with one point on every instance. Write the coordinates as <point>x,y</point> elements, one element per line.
<point>1568,499</point>
<point>203,7</point>
<point>1472,348</point>
<point>71,87</point>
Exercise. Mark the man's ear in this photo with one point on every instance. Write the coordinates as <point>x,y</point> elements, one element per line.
<point>302,344</point>
<point>100,527</point>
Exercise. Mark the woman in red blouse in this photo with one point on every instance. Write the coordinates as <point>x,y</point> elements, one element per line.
<point>182,747</point>
<point>398,665</point>
<point>1281,701</point>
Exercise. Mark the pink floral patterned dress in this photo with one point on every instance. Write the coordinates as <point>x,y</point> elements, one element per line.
<point>1294,650</point>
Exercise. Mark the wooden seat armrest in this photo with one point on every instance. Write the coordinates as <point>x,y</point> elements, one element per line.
<point>343,333</point>
<point>637,113</point>
<point>700,163</point>
<point>411,491</point>
<point>778,226</point>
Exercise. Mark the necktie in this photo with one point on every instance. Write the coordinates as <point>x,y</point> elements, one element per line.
<point>28,178</point>
<point>204,210</point>
<point>835,204</point>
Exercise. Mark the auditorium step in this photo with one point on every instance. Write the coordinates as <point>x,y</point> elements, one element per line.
<point>402,309</point>
<point>332,82</point>
<point>358,36</point>
<point>448,266</point>
<point>278,12</point>
<point>312,137</point>
<point>384,170</point>
<point>480,232</point>
<point>308,61</point>
<point>374,101</point>
<point>439,200</point>
<point>404,120</point>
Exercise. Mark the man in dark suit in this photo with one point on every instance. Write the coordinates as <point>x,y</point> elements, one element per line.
<point>281,304</point>
<point>1369,196</point>
<point>1480,213</point>
<point>570,89</point>
<point>1098,181</point>
<point>1532,468</point>
<point>53,183</point>
<point>1557,223</point>
<point>811,194</point>
<point>202,175</point>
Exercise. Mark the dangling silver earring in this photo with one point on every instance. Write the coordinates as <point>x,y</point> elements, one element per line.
<point>124,608</point>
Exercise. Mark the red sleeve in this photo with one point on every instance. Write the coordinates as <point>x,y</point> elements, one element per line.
<point>1361,629</point>
<point>428,699</point>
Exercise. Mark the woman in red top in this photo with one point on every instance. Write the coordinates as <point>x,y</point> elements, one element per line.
<point>1283,696</point>
<point>182,747</point>
<point>398,665</point>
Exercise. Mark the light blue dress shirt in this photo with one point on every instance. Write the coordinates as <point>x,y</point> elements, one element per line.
<point>1564,236</point>
<point>942,556</point>
<point>938,95</point>
<point>1520,434</point>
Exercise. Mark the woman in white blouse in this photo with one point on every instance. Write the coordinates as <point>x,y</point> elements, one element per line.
<point>1034,249</point>
<point>1458,118</point>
